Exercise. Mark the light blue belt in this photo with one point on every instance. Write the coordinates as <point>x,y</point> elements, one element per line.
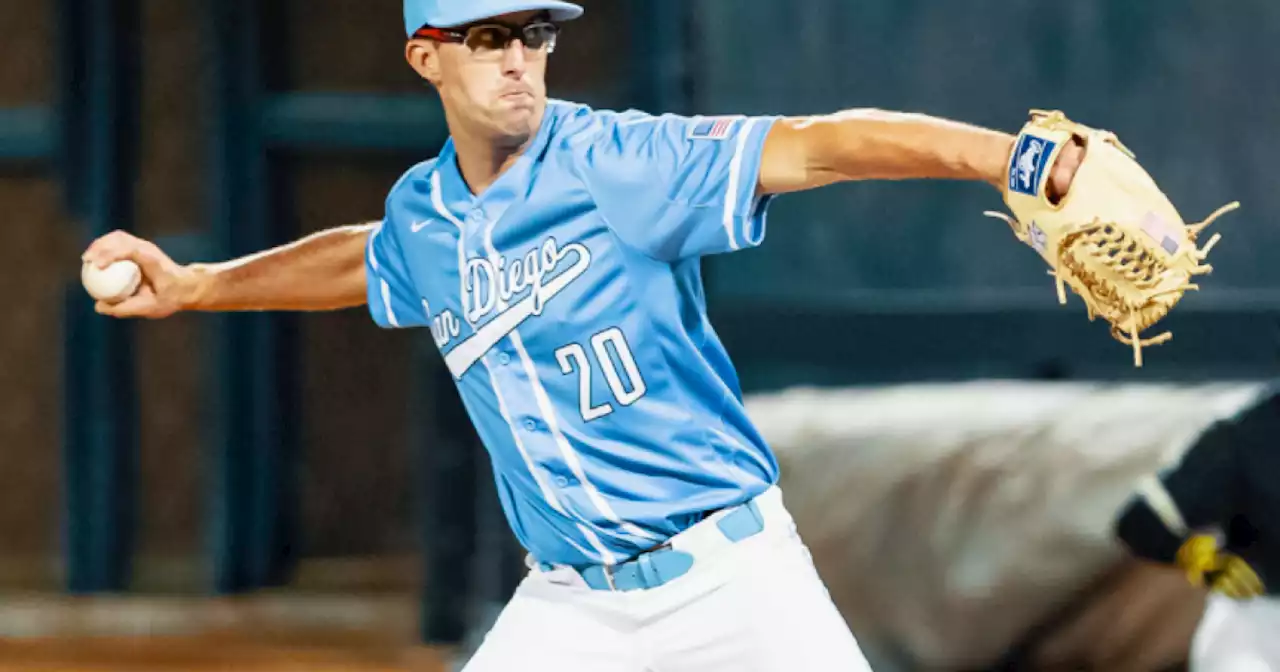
<point>665,564</point>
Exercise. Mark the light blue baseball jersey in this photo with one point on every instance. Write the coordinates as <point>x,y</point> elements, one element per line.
<point>567,301</point>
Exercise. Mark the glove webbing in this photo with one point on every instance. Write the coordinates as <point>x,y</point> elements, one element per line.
<point>1096,245</point>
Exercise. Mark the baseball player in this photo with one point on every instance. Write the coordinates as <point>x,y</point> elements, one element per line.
<point>1213,515</point>
<point>1200,588</point>
<point>553,251</point>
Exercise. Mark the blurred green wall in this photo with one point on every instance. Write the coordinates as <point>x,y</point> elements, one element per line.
<point>1189,86</point>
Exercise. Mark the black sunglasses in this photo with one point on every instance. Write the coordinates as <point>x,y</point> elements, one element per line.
<point>493,36</point>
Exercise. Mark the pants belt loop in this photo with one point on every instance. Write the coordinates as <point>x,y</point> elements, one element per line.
<point>754,507</point>
<point>648,572</point>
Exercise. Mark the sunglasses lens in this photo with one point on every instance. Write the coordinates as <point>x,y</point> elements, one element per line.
<point>493,39</point>
<point>539,35</point>
<point>488,39</point>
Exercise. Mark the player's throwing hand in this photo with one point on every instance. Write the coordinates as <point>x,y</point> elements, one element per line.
<point>167,287</point>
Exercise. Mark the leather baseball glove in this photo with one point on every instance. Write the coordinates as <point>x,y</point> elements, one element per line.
<point>1114,238</point>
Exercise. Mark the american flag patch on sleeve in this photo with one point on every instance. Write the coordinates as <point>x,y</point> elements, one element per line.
<point>712,128</point>
<point>1160,231</point>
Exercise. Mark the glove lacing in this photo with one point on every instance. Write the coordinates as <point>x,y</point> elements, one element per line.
<point>1099,245</point>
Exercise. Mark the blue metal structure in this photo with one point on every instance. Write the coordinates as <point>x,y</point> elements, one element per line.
<point>252,438</point>
<point>27,135</point>
<point>96,154</point>
<point>412,125</point>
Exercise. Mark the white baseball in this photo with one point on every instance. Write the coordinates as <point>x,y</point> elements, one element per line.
<point>115,283</point>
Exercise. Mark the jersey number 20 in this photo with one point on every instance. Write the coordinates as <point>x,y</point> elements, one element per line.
<point>605,345</point>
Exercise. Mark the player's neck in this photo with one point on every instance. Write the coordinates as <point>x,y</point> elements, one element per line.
<point>482,159</point>
<point>482,164</point>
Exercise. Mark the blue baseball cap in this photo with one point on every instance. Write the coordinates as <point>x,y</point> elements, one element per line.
<point>453,13</point>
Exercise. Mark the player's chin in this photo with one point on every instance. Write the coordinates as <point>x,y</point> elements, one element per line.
<point>516,122</point>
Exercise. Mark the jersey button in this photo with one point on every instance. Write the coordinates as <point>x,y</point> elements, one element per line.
<point>562,481</point>
<point>504,359</point>
<point>530,425</point>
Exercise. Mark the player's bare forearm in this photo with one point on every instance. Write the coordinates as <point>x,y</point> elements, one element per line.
<point>868,144</point>
<point>323,271</point>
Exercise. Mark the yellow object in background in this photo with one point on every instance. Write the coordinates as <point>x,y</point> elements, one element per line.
<point>1206,564</point>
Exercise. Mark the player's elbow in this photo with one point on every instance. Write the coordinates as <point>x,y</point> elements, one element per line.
<point>798,155</point>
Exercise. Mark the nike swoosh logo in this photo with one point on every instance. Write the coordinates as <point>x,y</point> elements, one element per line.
<point>418,226</point>
<point>465,354</point>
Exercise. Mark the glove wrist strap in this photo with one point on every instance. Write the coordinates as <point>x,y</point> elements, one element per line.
<point>1035,152</point>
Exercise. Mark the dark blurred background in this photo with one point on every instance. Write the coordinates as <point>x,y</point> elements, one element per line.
<point>231,454</point>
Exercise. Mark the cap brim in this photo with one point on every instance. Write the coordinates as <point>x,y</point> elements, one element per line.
<point>560,11</point>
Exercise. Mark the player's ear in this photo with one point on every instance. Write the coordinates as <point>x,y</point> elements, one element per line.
<point>424,57</point>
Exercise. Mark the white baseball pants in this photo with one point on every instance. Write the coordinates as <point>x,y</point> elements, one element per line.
<point>757,605</point>
<point>1237,636</point>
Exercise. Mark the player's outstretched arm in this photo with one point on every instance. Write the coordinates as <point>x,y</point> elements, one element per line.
<point>867,144</point>
<point>323,271</point>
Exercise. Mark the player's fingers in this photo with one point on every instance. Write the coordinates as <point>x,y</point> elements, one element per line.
<point>127,309</point>
<point>112,247</point>
<point>155,264</point>
<point>142,304</point>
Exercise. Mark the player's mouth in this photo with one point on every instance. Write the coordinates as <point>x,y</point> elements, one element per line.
<point>517,96</point>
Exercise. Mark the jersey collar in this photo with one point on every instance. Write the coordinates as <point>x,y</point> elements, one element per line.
<point>457,197</point>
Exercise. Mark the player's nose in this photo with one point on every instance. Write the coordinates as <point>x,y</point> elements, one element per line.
<point>513,59</point>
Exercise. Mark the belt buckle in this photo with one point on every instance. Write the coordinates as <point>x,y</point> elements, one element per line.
<point>608,570</point>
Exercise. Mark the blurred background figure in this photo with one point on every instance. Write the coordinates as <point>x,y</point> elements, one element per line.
<point>248,491</point>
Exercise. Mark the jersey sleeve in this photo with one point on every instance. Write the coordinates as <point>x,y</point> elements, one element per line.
<point>678,187</point>
<point>393,301</point>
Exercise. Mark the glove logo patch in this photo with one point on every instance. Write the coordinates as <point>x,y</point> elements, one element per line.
<point>1029,162</point>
